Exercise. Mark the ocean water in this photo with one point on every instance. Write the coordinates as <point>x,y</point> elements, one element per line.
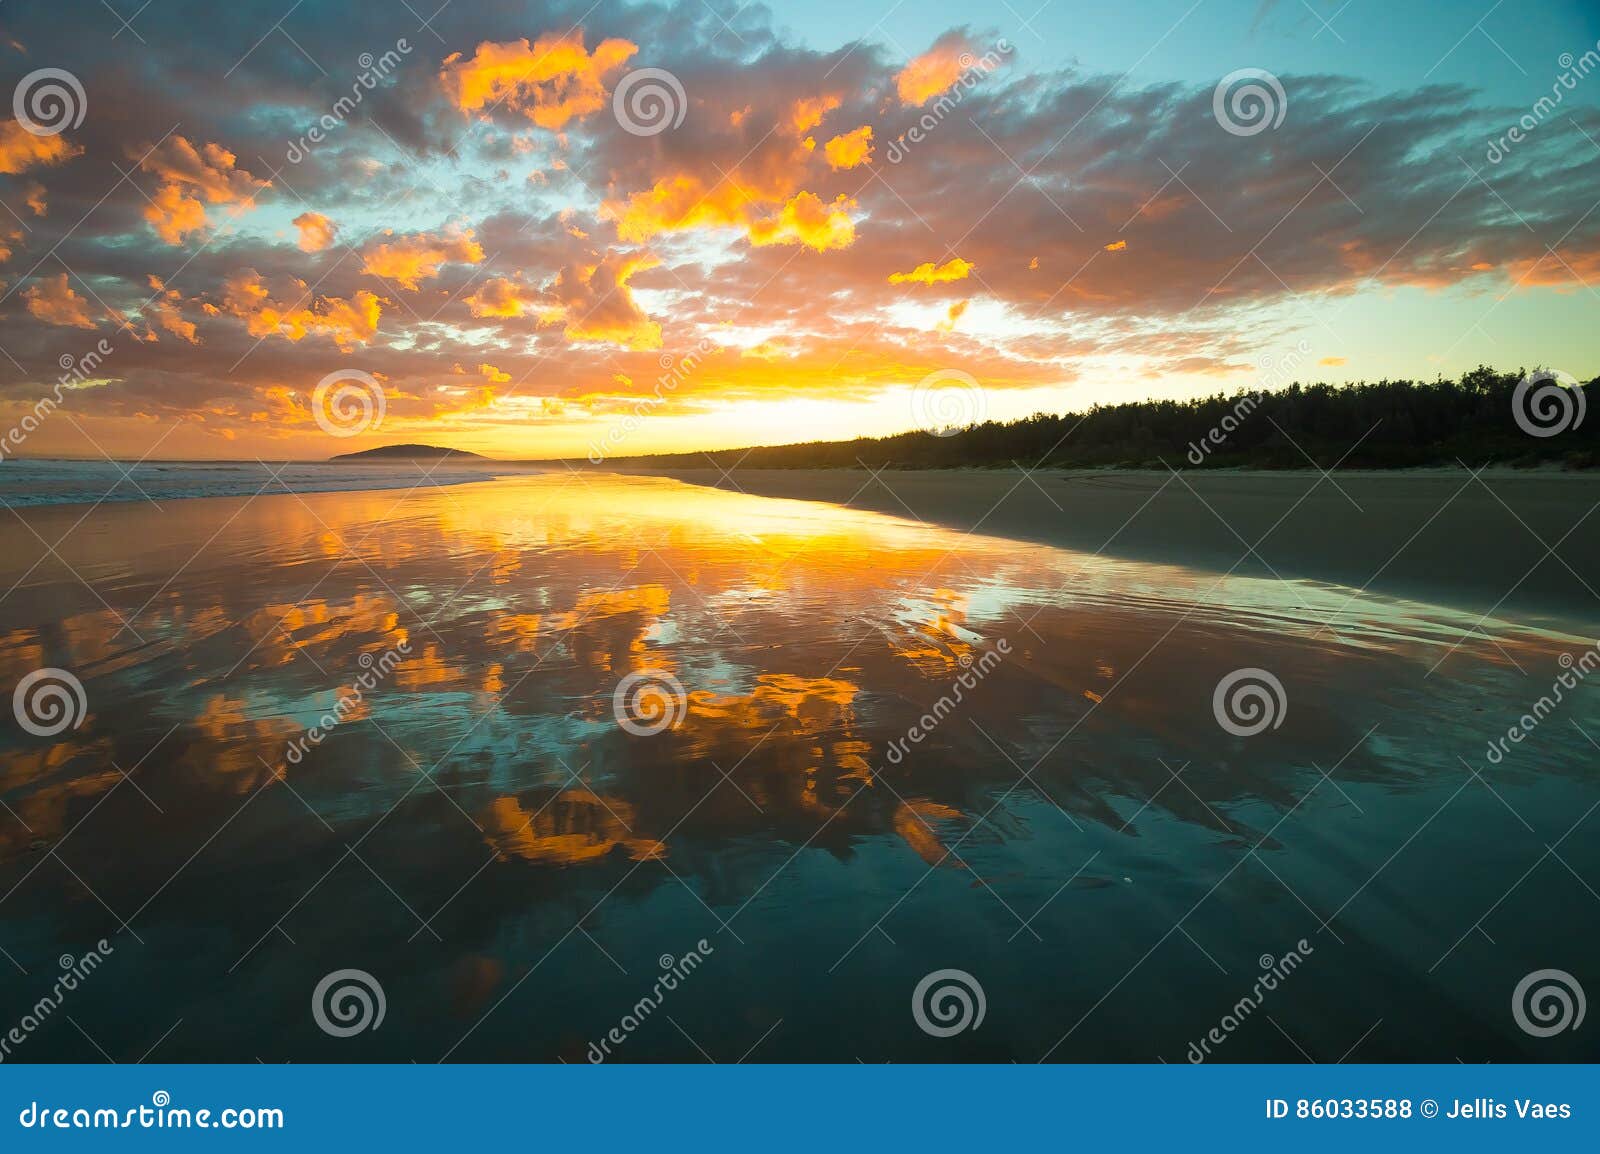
<point>43,481</point>
<point>519,751</point>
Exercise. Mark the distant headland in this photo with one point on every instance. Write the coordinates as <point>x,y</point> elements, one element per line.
<point>408,453</point>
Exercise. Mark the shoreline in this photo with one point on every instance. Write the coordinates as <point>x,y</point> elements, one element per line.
<point>1446,536</point>
<point>1433,535</point>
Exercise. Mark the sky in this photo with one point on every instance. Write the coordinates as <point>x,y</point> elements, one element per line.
<point>287,230</point>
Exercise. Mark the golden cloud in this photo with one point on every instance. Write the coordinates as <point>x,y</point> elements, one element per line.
<point>21,150</point>
<point>762,194</point>
<point>806,220</point>
<point>53,301</point>
<point>925,273</point>
<point>165,310</point>
<point>247,296</point>
<point>849,149</point>
<point>808,112</point>
<point>186,176</point>
<point>316,231</point>
<point>499,297</point>
<point>551,82</point>
<point>597,304</point>
<point>681,202</point>
<point>419,257</point>
<point>933,72</point>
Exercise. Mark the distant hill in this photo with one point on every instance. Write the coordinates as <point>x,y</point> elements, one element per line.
<point>407,453</point>
<point>1479,420</point>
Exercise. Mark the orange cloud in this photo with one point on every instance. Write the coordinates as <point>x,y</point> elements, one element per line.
<point>1564,268</point>
<point>762,194</point>
<point>36,199</point>
<point>678,203</point>
<point>850,149</point>
<point>933,72</point>
<point>419,257</point>
<point>165,310</point>
<point>499,297</point>
<point>598,305</point>
<point>806,220</point>
<point>53,301</point>
<point>1332,362</point>
<point>925,273</point>
<point>955,314</point>
<point>247,296</point>
<point>316,231</point>
<point>174,213</point>
<point>550,82</point>
<point>684,202</point>
<point>21,150</point>
<point>493,375</point>
<point>187,175</point>
<point>1117,246</point>
<point>809,111</point>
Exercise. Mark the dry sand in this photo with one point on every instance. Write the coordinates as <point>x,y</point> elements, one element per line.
<point>1433,535</point>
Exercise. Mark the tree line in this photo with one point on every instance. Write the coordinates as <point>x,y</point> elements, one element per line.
<point>1371,425</point>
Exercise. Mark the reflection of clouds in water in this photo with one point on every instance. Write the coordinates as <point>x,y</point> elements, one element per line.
<point>807,638</point>
<point>917,821</point>
<point>567,828</point>
<point>42,814</point>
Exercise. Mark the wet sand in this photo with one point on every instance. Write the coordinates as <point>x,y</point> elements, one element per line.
<point>1433,536</point>
<point>884,749</point>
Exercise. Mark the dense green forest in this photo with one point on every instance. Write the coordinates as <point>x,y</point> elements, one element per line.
<point>1385,424</point>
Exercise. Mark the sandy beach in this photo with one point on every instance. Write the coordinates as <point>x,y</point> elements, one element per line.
<point>1447,537</point>
<point>426,733</point>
